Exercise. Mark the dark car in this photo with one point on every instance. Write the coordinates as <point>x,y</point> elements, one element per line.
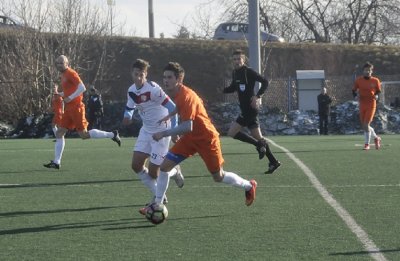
<point>240,31</point>
<point>7,22</point>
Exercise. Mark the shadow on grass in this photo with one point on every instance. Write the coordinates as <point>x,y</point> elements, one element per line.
<point>80,225</point>
<point>22,171</point>
<point>364,252</point>
<point>168,220</point>
<point>38,185</point>
<point>39,212</point>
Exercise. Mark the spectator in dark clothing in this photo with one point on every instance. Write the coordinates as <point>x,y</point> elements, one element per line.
<point>95,109</point>
<point>324,102</point>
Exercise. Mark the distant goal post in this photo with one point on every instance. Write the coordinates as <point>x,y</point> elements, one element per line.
<point>390,90</point>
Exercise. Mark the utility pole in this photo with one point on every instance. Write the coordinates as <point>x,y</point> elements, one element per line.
<point>151,19</point>
<point>254,36</point>
<point>110,4</point>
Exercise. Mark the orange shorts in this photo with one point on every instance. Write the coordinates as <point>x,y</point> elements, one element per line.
<point>367,113</point>
<point>74,117</point>
<point>57,119</point>
<point>209,151</point>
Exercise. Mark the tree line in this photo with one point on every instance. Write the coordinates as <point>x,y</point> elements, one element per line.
<point>320,21</point>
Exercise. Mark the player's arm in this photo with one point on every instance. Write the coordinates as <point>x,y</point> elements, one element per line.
<point>354,90</point>
<point>231,88</point>
<point>171,107</point>
<point>263,81</point>
<point>377,94</point>
<point>128,114</point>
<point>182,128</point>
<point>81,88</point>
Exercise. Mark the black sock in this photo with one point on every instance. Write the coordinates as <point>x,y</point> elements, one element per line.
<point>245,138</point>
<point>269,155</point>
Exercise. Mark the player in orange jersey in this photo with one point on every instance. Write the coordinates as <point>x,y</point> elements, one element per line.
<point>367,89</point>
<point>74,112</point>
<point>57,107</point>
<point>198,136</point>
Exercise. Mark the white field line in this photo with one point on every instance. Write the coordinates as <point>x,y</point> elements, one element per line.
<point>207,186</point>
<point>362,236</point>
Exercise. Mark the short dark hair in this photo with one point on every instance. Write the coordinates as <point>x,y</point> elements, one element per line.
<point>368,65</point>
<point>238,52</point>
<point>176,68</point>
<point>141,65</point>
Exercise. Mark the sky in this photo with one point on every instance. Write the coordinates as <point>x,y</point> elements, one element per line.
<point>168,15</point>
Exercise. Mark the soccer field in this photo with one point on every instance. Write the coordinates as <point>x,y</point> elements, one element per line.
<point>330,200</point>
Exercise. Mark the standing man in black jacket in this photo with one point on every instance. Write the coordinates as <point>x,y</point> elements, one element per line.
<point>95,109</point>
<point>243,82</point>
<point>324,102</point>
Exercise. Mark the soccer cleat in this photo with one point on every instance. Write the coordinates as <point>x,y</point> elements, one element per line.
<point>143,210</point>
<point>178,177</point>
<point>377,141</point>
<point>116,138</point>
<point>261,149</point>
<point>251,194</point>
<point>52,165</point>
<point>366,147</point>
<point>272,167</point>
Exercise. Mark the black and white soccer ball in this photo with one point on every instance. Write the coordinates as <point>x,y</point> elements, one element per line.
<point>157,213</point>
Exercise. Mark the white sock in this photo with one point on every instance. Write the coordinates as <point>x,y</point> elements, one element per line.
<point>58,150</point>
<point>172,172</point>
<point>148,181</point>
<point>98,134</point>
<point>54,130</point>
<point>236,181</point>
<point>162,186</point>
<point>367,135</point>
<point>372,131</point>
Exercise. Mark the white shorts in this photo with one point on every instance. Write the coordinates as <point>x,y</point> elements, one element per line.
<point>155,149</point>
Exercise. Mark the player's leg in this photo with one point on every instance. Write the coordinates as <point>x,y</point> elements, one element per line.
<point>179,152</point>
<point>158,151</point>
<point>235,131</point>
<point>369,117</point>
<point>141,152</point>
<point>58,149</point>
<point>364,125</point>
<point>273,163</point>
<point>211,154</point>
<point>81,125</point>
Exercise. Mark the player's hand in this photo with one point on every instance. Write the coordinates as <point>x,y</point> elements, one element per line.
<point>55,89</point>
<point>175,138</point>
<point>158,136</point>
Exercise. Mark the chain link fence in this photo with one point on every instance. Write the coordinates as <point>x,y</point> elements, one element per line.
<point>282,92</point>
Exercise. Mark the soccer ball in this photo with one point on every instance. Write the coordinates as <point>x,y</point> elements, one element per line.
<point>156,214</point>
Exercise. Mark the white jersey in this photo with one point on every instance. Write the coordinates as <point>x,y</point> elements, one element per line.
<point>149,101</point>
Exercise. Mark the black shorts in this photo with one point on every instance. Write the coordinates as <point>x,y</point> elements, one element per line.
<point>251,122</point>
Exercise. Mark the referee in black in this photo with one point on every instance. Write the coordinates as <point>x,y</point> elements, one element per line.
<point>243,82</point>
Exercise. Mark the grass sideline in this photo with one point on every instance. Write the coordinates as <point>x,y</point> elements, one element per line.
<point>88,210</point>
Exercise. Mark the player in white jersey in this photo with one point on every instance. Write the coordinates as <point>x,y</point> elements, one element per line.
<point>152,104</point>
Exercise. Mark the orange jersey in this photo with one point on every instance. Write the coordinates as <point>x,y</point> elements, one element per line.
<point>190,107</point>
<point>69,82</point>
<point>204,138</point>
<point>367,88</point>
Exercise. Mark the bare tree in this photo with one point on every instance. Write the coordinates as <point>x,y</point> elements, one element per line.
<point>29,53</point>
